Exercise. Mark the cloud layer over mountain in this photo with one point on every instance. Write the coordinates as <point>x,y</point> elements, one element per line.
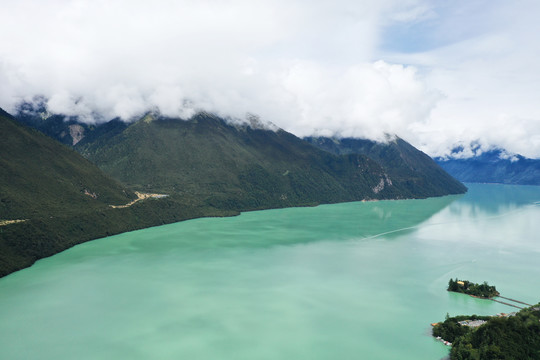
<point>434,73</point>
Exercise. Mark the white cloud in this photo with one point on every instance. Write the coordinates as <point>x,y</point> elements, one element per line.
<point>365,100</point>
<point>490,79</point>
<point>308,66</point>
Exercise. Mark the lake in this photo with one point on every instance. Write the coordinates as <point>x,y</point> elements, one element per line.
<point>360,280</point>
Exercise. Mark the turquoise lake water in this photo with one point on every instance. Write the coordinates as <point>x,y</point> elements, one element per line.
<point>357,280</point>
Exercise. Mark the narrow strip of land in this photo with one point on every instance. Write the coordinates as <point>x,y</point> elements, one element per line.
<point>140,196</point>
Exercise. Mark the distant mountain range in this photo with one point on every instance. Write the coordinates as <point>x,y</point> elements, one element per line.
<point>206,165</point>
<point>494,166</point>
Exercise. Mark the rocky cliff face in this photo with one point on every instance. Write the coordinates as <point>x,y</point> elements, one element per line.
<point>76,132</point>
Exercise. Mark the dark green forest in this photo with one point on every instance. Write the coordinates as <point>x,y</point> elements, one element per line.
<point>64,199</point>
<point>409,168</point>
<point>505,337</point>
<point>483,290</point>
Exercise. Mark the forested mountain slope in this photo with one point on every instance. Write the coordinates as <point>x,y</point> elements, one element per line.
<point>61,199</point>
<point>206,166</point>
<point>410,169</point>
<point>238,166</point>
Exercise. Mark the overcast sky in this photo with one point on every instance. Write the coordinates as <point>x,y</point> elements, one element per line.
<point>437,73</point>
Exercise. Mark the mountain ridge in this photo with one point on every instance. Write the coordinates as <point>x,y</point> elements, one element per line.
<point>207,166</point>
<point>266,161</point>
<point>206,156</point>
<point>414,170</point>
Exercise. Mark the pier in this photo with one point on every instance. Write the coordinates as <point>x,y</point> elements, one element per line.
<point>516,301</point>
<point>512,300</point>
<point>501,302</point>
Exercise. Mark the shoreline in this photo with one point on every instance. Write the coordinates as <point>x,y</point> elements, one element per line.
<point>101,224</point>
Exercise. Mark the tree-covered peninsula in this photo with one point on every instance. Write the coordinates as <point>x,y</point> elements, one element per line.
<point>507,336</point>
<point>483,290</point>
